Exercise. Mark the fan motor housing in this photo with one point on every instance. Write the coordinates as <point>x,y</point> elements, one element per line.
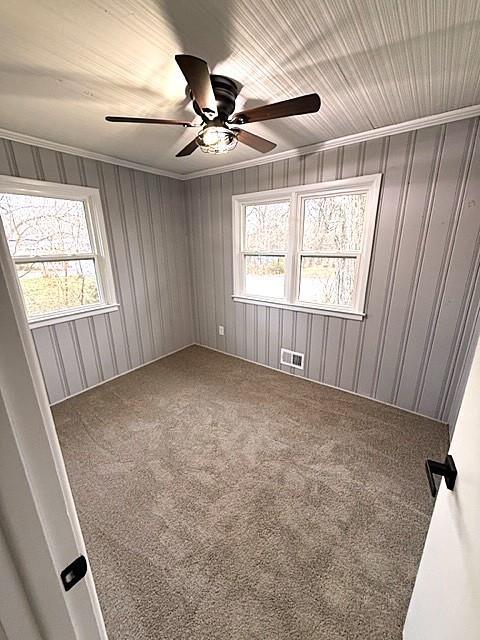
<point>226,91</point>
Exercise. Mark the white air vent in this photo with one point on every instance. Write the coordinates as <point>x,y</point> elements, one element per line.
<point>291,358</point>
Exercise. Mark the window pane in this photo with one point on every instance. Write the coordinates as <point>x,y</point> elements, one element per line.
<point>265,276</point>
<point>266,226</point>
<point>327,281</point>
<point>334,223</point>
<point>53,286</point>
<point>37,226</point>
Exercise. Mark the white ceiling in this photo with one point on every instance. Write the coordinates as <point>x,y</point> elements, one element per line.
<point>65,64</point>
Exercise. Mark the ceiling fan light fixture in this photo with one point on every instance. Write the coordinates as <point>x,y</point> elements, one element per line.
<point>216,139</point>
<point>213,100</point>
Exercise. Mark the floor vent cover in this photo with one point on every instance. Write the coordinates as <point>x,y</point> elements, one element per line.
<point>291,358</point>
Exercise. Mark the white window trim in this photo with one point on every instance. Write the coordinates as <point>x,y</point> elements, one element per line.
<point>368,183</point>
<point>98,237</point>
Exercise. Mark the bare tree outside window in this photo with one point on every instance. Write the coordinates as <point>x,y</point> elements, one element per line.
<point>327,281</point>
<point>332,241</point>
<point>332,236</point>
<point>52,250</point>
<point>266,240</point>
<point>266,226</point>
<point>306,247</point>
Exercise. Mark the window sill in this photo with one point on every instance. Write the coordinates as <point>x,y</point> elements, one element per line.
<point>348,315</point>
<point>74,314</point>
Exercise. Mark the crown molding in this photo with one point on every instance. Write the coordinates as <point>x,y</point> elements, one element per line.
<point>372,134</point>
<point>84,153</point>
<point>364,136</point>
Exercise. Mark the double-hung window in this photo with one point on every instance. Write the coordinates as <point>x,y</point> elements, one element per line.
<point>56,238</point>
<point>308,247</point>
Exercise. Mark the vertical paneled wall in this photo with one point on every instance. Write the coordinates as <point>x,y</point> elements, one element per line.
<point>146,226</point>
<point>424,288</point>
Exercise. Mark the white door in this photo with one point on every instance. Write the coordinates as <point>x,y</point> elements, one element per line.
<point>38,521</point>
<point>445,603</point>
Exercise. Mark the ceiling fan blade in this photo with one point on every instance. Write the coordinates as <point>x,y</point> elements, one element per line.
<point>293,107</point>
<point>189,149</point>
<point>256,142</point>
<point>197,76</point>
<point>183,123</point>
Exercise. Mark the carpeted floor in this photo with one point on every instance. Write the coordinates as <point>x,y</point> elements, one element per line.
<point>223,500</point>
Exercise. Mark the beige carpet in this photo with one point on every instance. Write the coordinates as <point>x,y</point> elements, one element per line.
<point>220,500</point>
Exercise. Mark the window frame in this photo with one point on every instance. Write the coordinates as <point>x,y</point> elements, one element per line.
<point>100,254</point>
<point>273,254</point>
<point>369,184</point>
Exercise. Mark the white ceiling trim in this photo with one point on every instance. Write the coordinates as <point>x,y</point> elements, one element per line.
<point>84,153</point>
<point>372,134</point>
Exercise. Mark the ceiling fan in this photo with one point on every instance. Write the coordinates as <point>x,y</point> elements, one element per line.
<point>213,98</point>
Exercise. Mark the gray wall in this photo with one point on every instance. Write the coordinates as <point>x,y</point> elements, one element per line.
<point>423,288</point>
<point>146,225</point>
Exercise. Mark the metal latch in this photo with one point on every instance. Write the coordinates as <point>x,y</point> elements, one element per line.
<point>74,572</point>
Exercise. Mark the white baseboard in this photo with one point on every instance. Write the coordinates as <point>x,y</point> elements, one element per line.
<point>324,384</point>
<point>124,373</point>
<point>260,364</point>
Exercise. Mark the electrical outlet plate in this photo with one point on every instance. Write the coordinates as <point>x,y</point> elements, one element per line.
<point>221,330</point>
